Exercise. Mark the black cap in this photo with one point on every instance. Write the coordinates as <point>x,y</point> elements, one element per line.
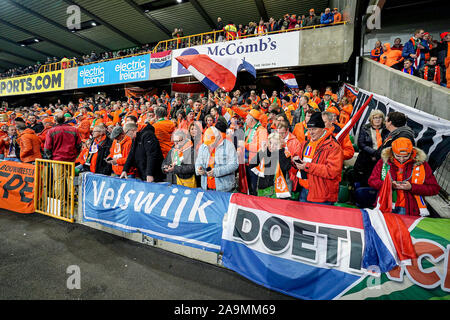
<point>316,121</point>
<point>221,126</point>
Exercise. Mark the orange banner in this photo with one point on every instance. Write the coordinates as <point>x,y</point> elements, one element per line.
<point>16,186</point>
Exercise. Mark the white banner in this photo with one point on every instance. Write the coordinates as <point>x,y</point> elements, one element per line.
<point>432,134</point>
<point>264,52</point>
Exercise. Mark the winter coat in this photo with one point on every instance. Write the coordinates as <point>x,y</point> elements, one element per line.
<point>226,164</point>
<point>145,155</point>
<point>390,57</point>
<point>325,170</point>
<point>30,146</point>
<point>184,171</point>
<point>430,186</point>
<point>364,162</point>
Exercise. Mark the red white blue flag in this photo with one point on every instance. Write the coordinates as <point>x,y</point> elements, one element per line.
<point>216,72</point>
<point>289,80</point>
<point>160,60</point>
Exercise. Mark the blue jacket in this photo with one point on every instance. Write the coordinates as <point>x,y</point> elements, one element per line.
<point>327,18</point>
<point>409,49</point>
<point>225,166</point>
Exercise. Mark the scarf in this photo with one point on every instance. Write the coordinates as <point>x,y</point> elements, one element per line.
<point>437,74</point>
<point>416,47</point>
<point>417,177</point>
<point>308,155</point>
<point>411,70</point>
<point>280,188</point>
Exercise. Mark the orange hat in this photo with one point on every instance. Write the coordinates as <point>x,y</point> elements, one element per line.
<point>311,10</point>
<point>47,120</point>
<point>402,146</point>
<point>333,110</point>
<point>210,136</point>
<point>255,114</point>
<point>329,93</point>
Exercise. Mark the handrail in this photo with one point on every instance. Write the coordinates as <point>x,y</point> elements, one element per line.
<point>60,65</point>
<point>201,36</point>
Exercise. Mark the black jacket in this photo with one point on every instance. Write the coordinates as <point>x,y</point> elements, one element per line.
<point>270,168</point>
<point>365,162</point>
<point>145,155</point>
<point>38,127</point>
<point>185,171</point>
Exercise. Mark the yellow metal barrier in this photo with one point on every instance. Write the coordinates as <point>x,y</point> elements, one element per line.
<point>54,191</point>
<point>213,36</point>
<point>60,65</point>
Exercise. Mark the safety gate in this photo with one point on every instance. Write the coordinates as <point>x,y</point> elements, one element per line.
<point>54,191</point>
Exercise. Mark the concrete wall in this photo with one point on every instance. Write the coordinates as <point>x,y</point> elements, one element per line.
<point>71,79</point>
<point>405,88</point>
<point>328,45</point>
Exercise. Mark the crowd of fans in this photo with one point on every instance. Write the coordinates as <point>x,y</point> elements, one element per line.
<point>279,146</point>
<point>420,56</point>
<point>229,32</point>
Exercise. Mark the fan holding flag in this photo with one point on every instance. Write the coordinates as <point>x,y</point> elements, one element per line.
<point>216,72</point>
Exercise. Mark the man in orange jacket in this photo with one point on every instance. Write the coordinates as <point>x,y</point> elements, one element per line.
<point>163,130</point>
<point>320,164</point>
<point>29,143</point>
<point>119,151</point>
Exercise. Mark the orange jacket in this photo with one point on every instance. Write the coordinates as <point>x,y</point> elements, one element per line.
<point>346,144</point>
<point>163,132</point>
<point>253,146</point>
<point>30,146</point>
<point>84,129</point>
<point>325,170</point>
<point>119,151</point>
<point>390,57</point>
<point>299,131</point>
<point>345,114</point>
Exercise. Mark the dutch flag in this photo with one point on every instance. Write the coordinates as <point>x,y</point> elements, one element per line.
<point>387,241</point>
<point>216,72</point>
<point>289,80</point>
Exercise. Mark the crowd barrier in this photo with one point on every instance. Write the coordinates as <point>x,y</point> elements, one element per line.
<point>54,191</point>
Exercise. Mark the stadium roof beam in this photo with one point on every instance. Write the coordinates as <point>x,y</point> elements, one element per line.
<point>36,14</point>
<point>149,17</point>
<point>29,48</point>
<point>103,22</point>
<point>262,9</point>
<point>14,63</point>
<point>17,55</point>
<point>203,13</point>
<point>40,37</point>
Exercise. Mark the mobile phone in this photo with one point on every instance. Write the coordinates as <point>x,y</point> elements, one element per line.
<point>298,161</point>
<point>109,159</point>
<point>208,169</point>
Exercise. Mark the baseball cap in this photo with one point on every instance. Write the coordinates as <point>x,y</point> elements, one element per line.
<point>316,121</point>
<point>402,146</point>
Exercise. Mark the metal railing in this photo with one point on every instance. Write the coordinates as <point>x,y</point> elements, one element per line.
<point>213,36</point>
<point>54,191</point>
<point>60,65</point>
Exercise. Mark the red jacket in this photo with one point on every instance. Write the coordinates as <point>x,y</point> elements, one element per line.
<point>430,187</point>
<point>325,170</point>
<point>63,143</point>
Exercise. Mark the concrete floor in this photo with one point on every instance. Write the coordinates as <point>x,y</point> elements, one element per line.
<point>36,252</point>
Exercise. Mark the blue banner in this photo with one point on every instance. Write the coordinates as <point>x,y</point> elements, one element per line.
<point>131,69</point>
<point>172,213</point>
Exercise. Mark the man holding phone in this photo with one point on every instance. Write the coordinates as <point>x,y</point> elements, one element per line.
<point>320,164</point>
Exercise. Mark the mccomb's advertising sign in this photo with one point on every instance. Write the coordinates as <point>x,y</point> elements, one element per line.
<point>269,51</point>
